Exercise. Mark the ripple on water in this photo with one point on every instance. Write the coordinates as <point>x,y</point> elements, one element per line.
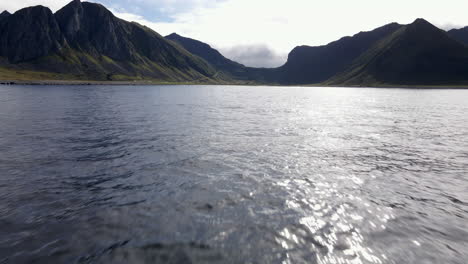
<point>232,175</point>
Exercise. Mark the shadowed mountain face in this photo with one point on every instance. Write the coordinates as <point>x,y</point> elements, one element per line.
<point>4,14</point>
<point>92,28</point>
<point>87,41</point>
<point>29,33</point>
<point>418,53</point>
<point>459,34</point>
<point>308,65</point>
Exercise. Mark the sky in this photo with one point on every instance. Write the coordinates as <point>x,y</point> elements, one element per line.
<point>261,33</point>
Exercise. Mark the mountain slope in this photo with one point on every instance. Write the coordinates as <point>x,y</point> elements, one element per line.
<point>87,41</point>
<point>206,52</point>
<point>459,34</point>
<point>232,69</point>
<point>417,54</point>
<point>308,65</point>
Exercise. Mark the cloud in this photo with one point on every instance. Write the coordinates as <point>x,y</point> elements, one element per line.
<point>232,25</point>
<point>259,55</point>
<point>276,24</point>
<point>449,26</point>
<point>13,6</point>
<point>158,10</point>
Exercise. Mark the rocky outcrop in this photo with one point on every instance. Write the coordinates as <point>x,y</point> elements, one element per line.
<point>30,33</point>
<point>93,29</point>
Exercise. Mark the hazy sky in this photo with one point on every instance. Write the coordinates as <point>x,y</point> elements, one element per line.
<point>262,32</point>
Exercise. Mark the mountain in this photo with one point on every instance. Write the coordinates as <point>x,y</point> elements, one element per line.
<point>309,65</point>
<point>30,33</point>
<point>4,14</point>
<point>230,68</point>
<point>86,41</point>
<point>416,54</point>
<point>206,52</point>
<point>459,34</point>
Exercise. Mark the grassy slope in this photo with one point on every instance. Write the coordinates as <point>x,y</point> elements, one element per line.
<point>70,64</point>
<point>416,55</point>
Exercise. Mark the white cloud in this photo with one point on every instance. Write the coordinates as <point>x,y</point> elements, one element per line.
<point>254,55</point>
<point>281,25</point>
<point>14,5</point>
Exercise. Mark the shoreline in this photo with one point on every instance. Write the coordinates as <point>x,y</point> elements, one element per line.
<point>150,83</point>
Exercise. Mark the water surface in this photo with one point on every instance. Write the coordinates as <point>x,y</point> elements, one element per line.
<point>208,174</point>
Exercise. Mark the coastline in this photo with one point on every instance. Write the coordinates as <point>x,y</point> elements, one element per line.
<point>82,83</point>
<point>149,83</point>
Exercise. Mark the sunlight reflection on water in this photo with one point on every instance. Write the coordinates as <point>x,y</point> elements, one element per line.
<point>207,174</point>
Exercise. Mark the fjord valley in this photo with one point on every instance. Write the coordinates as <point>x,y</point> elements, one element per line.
<point>136,145</point>
<point>85,41</point>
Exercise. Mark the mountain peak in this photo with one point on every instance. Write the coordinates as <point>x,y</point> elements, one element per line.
<point>75,3</point>
<point>69,18</point>
<point>4,15</point>
<point>35,23</point>
<point>420,22</point>
<point>173,35</point>
<point>70,7</point>
<point>423,29</point>
<point>34,9</point>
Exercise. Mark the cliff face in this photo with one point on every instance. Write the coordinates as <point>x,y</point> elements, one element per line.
<point>87,40</point>
<point>91,27</point>
<point>29,33</point>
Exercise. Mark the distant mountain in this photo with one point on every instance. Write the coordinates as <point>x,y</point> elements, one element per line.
<point>4,14</point>
<point>86,41</point>
<point>416,54</point>
<point>459,34</point>
<point>309,65</point>
<point>206,52</point>
<point>230,68</point>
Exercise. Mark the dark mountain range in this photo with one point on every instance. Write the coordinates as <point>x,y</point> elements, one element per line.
<point>4,14</point>
<point>86,41</point>
<point>459,34</point>
<point>416,54</point>
<point>308,65</point>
